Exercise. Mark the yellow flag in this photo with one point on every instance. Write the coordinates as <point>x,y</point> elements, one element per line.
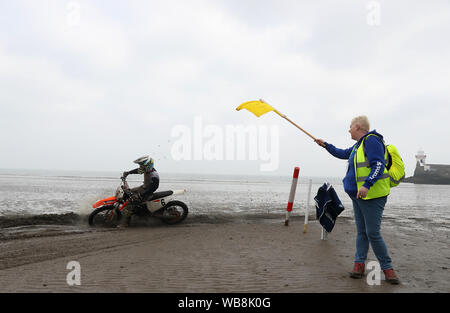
<point>258,107</point>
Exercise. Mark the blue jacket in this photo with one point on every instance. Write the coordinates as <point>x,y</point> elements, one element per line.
<point>375,154</point>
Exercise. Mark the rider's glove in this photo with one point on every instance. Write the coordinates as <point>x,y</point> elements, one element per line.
<point>136,197</point>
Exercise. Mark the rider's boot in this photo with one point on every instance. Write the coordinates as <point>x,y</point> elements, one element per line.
<point>125,219</point>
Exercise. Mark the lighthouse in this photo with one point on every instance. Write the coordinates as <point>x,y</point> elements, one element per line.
<point>420,157</point>
<point>424,173</point>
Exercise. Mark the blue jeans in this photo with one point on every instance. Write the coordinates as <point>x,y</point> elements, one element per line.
<point>368,214</point>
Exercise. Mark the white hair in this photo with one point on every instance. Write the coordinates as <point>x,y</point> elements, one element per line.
<point>362,121</point>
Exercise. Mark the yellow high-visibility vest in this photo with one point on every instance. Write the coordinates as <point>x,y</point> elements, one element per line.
<point>381,187</point>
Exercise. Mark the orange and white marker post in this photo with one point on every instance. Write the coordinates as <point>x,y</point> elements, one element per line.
<point>292,195</point>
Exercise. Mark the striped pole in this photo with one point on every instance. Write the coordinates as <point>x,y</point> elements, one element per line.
<point>305,227</point>
<point>291,195</point>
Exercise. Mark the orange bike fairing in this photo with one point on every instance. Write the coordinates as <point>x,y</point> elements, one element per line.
<point>105,201</point>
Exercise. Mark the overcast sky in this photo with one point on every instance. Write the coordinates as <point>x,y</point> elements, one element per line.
<point>93,85</point>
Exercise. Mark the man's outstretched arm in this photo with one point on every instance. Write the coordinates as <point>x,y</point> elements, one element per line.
<point>343,154</point>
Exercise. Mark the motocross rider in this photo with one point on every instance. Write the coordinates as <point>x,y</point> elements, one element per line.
<point>146,190</point>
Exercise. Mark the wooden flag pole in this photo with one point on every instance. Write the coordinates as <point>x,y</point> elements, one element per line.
<point>287,119</point>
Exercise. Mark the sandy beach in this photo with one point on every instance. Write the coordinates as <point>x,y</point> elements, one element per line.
<point>229,255</point>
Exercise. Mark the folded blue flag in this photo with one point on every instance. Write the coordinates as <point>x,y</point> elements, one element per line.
<point>328,206</point>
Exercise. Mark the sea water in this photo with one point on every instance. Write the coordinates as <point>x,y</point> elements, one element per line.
<point>34,192</point>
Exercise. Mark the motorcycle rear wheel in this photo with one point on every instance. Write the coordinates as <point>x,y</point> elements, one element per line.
<point>174,212</point>
<point>105,216</point>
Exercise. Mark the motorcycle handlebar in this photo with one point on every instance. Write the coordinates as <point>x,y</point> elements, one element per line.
<point>124,186</point>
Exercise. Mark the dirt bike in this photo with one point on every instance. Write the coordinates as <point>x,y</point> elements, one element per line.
<point>108,211</point>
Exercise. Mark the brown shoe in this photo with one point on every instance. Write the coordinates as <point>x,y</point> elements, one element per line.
<point>391,277</point>
<point>358,270</point>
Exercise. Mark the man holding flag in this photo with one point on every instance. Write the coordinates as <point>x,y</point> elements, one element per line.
<point>367,182</point>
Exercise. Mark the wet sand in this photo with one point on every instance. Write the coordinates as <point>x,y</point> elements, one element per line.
<point>243,255</point>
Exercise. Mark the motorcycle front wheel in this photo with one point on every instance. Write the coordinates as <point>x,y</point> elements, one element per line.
<point>106,216</point>
<point>174,212</point>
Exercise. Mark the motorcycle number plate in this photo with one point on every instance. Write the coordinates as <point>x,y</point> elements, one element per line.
<point>155,205</point>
